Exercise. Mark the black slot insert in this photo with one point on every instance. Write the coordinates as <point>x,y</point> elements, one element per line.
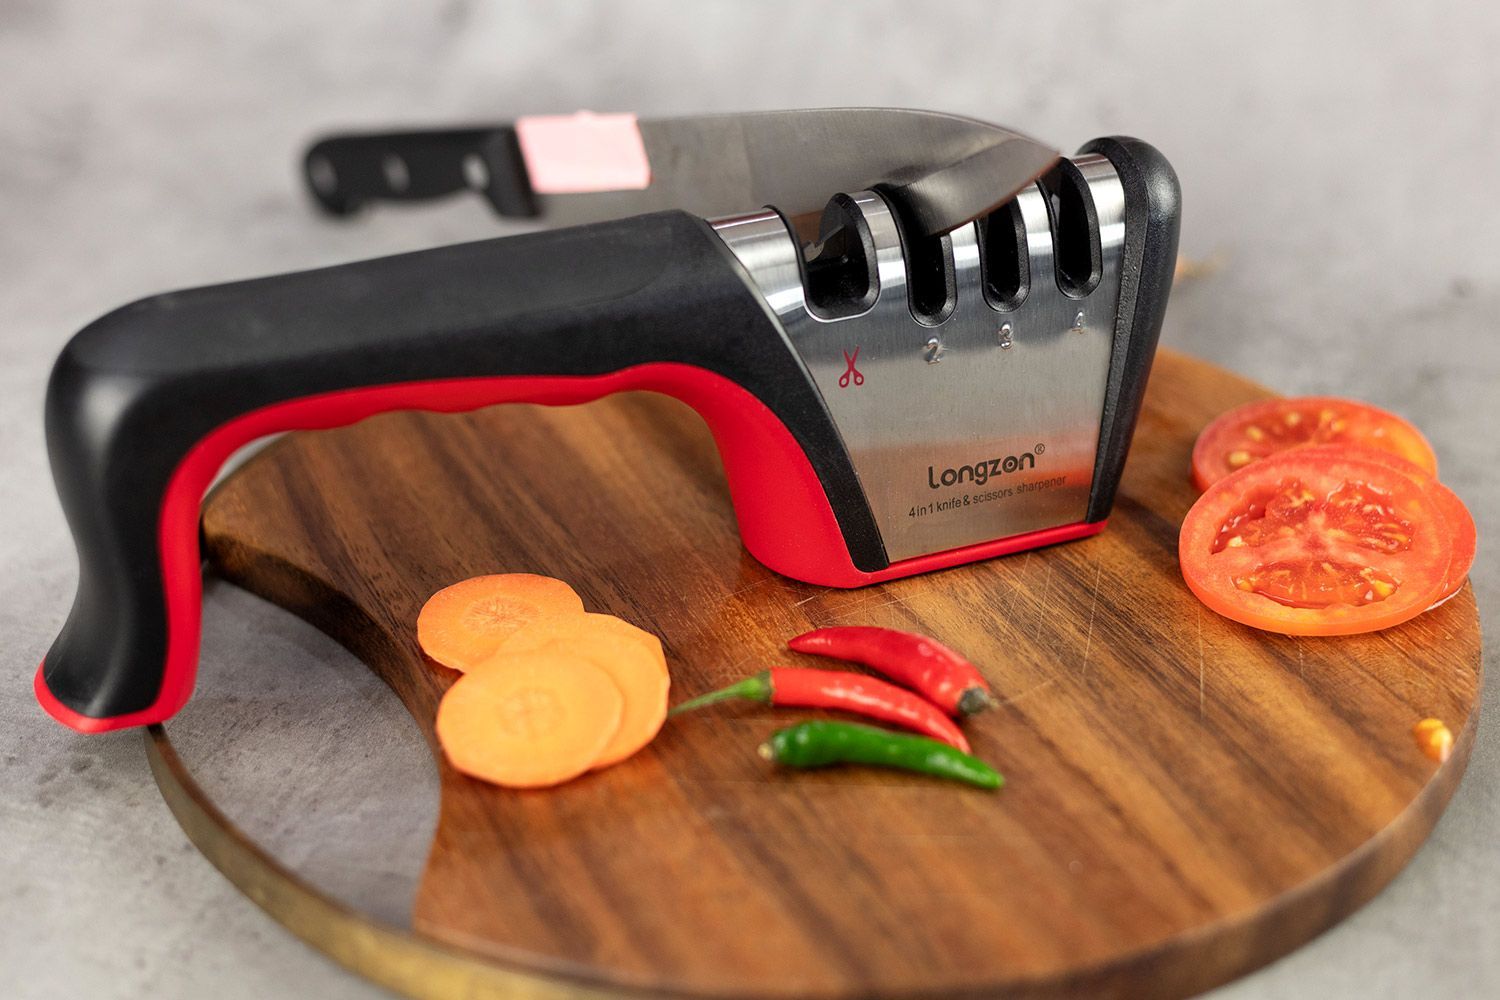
<point>929,276</point>
<point>931,281</point>
<point>1004,257</point>
<point>840,268</point>
<point>1075,230</point>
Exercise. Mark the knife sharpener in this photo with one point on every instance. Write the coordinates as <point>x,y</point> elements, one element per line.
<point>885,403</point>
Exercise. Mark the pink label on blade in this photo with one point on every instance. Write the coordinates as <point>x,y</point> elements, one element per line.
<point>575,154</point>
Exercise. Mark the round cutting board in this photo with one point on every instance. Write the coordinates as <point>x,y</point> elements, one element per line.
<point>1187,798</point>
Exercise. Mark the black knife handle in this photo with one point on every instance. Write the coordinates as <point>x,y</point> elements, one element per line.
<point>146,403</point>
<point>344,172</point>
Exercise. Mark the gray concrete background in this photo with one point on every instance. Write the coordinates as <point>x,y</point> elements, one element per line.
<point>1338,157</point>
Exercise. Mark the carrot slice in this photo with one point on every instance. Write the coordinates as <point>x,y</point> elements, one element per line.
<point>464,624</point>
<point>632,657</point>
<point>542,718</point>
<point>563,629</point>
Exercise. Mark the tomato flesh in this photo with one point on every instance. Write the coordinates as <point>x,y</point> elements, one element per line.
<point>1306,584</point>
<point>1313,544</point>
<point>1353,514</point>
<point>1254,431</point>
<point>1462,531</point>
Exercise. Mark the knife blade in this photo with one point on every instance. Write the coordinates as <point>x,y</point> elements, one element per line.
<point>942,170</point>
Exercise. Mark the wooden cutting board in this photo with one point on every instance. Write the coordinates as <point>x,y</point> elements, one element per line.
<point>1188,799</point>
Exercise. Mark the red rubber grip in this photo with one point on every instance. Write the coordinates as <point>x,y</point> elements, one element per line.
<point>784,516</point>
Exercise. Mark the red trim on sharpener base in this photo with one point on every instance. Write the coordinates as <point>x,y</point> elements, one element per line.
<point>776,493</point>
<point>848,577</point>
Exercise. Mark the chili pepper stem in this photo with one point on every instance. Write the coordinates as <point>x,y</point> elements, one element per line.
<point>766,752</point>
<point>756,688</point>
<point>975,700</point>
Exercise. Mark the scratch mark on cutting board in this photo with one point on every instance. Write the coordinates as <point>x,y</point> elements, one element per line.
<point>1041,604</point>
<point>865,609</point>
<point>1013,572</point>
<point>753,586</point>
<point>1028,692</point>
<point>847,602</point>
<point>1199,619</point>
<point>1088,639</point>
<point>1015,577</point>
<point>733,670</point>
<point>1301,666</point>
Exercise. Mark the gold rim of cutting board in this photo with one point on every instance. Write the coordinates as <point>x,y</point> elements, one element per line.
<point>415,966</point>
<point>395,958</point>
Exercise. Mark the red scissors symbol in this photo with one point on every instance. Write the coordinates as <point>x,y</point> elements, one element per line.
<point>851,372</point>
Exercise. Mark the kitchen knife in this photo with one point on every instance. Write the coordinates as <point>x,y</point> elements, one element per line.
<point>886,401</point>
<point>941,170</point>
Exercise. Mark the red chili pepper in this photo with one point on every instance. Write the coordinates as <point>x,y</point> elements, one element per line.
<point>842,690</point>
<point>925,665</point>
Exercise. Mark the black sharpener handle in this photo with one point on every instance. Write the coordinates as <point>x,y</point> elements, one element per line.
<point>146,403</point>
<point>1153,209</point>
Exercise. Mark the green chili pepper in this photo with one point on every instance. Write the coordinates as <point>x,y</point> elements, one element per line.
<point>819,744</point>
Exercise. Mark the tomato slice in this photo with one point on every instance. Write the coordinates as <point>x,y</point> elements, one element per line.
<point>1251,432</point>
<point>1317,543</point>
<point>1464,536</point>
<point>1461,529</point>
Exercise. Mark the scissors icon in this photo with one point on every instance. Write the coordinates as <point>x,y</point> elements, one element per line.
<point>851,372</point>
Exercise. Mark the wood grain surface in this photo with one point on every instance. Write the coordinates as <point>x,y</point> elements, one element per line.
<point>1187,799</point>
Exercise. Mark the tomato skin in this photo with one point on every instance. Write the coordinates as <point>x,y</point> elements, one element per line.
<point>1257,430</point>
<point>1268,502</point>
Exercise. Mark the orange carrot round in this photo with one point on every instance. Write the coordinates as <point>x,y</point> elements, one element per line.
<point>464,624</point>
<point>563,628</point>
<point>631,657</point>
<point>542,718</point>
